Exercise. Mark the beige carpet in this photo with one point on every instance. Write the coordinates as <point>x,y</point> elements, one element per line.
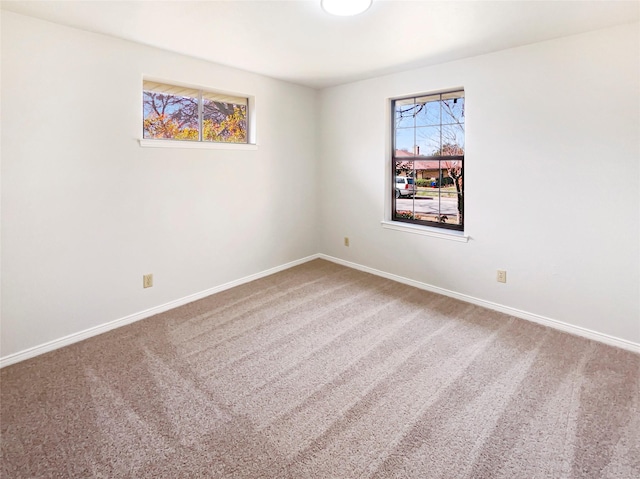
<point>325,372</point>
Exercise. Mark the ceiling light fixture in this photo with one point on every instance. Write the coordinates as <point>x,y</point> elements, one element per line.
<point>345,8</point>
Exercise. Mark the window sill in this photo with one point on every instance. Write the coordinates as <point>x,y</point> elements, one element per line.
<point>198,145</point>
<point>426,231</point>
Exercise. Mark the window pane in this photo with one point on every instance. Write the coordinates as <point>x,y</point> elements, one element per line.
<point>170,116</point>
<point>434,197</point>
<point>405,189</point>
<point>224,122</point>
<point>429,113</point>
<point>428,140</point>
<point>404,169</point>
<point>453,111</point>
<point>452,140</point>
<point>405,113</point>
<point>405,142</point>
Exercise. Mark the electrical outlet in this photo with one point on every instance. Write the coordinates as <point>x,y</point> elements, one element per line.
<point>346,241</point>
<point>502,276</point>
<point>147,280</point>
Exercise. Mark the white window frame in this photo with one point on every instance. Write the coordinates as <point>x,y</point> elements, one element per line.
<point>389,222</point>
<point>200,144</point>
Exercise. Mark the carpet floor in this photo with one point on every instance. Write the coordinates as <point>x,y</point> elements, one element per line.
<point>322,371</point>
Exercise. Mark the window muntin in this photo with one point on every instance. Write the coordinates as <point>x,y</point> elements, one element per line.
<point>182,113</point>
<point>428,147</point>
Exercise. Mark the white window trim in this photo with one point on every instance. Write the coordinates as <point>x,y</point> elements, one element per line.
<point>452,235</point>
<point>197,145</point>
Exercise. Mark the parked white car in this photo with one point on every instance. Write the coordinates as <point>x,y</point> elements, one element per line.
<point>405,186</point>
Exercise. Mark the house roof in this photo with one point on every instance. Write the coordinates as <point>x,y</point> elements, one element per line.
<point>420,164</point>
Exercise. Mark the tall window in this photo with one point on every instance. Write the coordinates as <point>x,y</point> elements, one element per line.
<point>181,113</point>
<point>428,160</point>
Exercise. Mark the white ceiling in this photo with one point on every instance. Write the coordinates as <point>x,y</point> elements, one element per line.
<point>296,41</point>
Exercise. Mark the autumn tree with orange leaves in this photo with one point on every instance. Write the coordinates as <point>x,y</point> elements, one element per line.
<point>176,117</point>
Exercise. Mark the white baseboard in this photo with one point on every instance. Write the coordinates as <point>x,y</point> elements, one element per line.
<point>103,328</point>
<point>552,323</point>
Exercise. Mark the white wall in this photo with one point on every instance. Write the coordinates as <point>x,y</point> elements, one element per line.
<point>552,182</point>
<point>551,179</point>
<point>86,211</point>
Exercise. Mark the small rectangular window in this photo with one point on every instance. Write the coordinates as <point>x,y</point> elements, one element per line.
<point>182,113</point>
<point>428,160</point>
